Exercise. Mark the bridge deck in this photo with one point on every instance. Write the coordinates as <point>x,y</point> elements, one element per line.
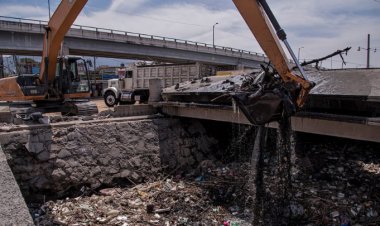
<point>23,36</point>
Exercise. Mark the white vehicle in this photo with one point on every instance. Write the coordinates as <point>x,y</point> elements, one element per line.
<point>133,82</point>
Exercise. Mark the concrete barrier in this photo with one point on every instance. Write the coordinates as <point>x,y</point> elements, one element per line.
<point>13,210</point>
<point>5,114</point>
<point>134,110</point>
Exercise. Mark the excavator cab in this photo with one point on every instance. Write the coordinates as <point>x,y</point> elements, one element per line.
<point>72,76</point>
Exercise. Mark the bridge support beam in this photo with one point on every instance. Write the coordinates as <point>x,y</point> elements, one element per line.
<point>369,131</point>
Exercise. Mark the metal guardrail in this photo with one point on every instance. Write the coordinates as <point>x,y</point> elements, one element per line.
<point>42,23</point>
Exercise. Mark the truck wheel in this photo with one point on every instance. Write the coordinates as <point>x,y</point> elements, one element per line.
<point>110,99</point>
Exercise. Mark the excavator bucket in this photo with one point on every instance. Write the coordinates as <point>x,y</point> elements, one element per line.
<point>265,99</point>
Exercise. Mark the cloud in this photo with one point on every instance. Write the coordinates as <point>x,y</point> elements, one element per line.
<point>23,11</point>
<point>320,26</point>
<point>324,26</point>
<point>127,6</point>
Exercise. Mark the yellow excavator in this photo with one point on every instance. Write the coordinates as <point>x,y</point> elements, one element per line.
<point>63,84</point>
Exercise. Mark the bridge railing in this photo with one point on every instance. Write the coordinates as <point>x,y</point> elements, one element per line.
<point>119,35</point>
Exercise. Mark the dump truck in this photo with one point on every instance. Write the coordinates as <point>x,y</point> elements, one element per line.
<point>133,82</point>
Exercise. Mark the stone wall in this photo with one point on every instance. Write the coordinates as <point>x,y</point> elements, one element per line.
<point>56,159</point>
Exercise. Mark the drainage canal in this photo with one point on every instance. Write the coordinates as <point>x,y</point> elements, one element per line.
<point>167,171</point>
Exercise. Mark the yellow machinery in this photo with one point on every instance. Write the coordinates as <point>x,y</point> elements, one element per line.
<point>63,83</point>
<point>63,80</point>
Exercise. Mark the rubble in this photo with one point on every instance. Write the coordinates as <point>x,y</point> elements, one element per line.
<point>341,186</point>
<point>337,183</point>
<point>163,202</point>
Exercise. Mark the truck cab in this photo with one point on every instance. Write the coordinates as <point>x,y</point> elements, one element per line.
<point>121,90</point>
<point>116,92</point>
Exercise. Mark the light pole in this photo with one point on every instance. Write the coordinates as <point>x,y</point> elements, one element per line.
<point>299,53</point>
<point>213,34</point>
<point>49,9</point>
<point>368,49</point>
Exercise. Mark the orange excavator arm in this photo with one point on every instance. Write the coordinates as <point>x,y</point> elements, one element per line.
<point>59,24</point>
<point>262,23</point>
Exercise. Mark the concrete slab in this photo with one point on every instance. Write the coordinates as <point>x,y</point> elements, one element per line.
<point>354,92</point>
<point>357,83</point>
<point>134,110</point>
<point>349,82</point>
<point>5,114</point>
<point>13,210</point>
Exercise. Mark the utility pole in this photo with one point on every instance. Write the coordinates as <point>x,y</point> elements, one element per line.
<point>94,63</point>
<point>1,66</point>
<point>368,49</point>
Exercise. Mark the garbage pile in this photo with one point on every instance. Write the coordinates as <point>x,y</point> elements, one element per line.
<point>338,183</point>
<point>211,198</point>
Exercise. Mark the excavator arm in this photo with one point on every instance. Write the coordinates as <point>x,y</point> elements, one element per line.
<point>59,24</point>
<point>263,24</point>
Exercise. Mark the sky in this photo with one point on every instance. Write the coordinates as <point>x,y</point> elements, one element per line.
<point>315,28</point>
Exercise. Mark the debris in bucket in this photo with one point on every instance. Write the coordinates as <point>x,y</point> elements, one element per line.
<point>264,98</point>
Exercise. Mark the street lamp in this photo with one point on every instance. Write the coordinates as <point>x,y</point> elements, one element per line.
<point>49,9</point>
<point>299,53</point>
<point>213,34</point>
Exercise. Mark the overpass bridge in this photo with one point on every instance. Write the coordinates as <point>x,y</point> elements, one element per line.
<point>25,37</point>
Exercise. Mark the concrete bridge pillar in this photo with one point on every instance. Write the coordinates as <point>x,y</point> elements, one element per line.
<point>240,67</point>
<point>65,50</point>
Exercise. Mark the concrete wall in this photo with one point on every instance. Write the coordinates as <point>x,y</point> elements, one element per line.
<point>13,209</point>
<point>55,159</point>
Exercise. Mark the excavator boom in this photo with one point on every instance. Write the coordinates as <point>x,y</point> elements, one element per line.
<point>262,22</point>
<point>59,24</point>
